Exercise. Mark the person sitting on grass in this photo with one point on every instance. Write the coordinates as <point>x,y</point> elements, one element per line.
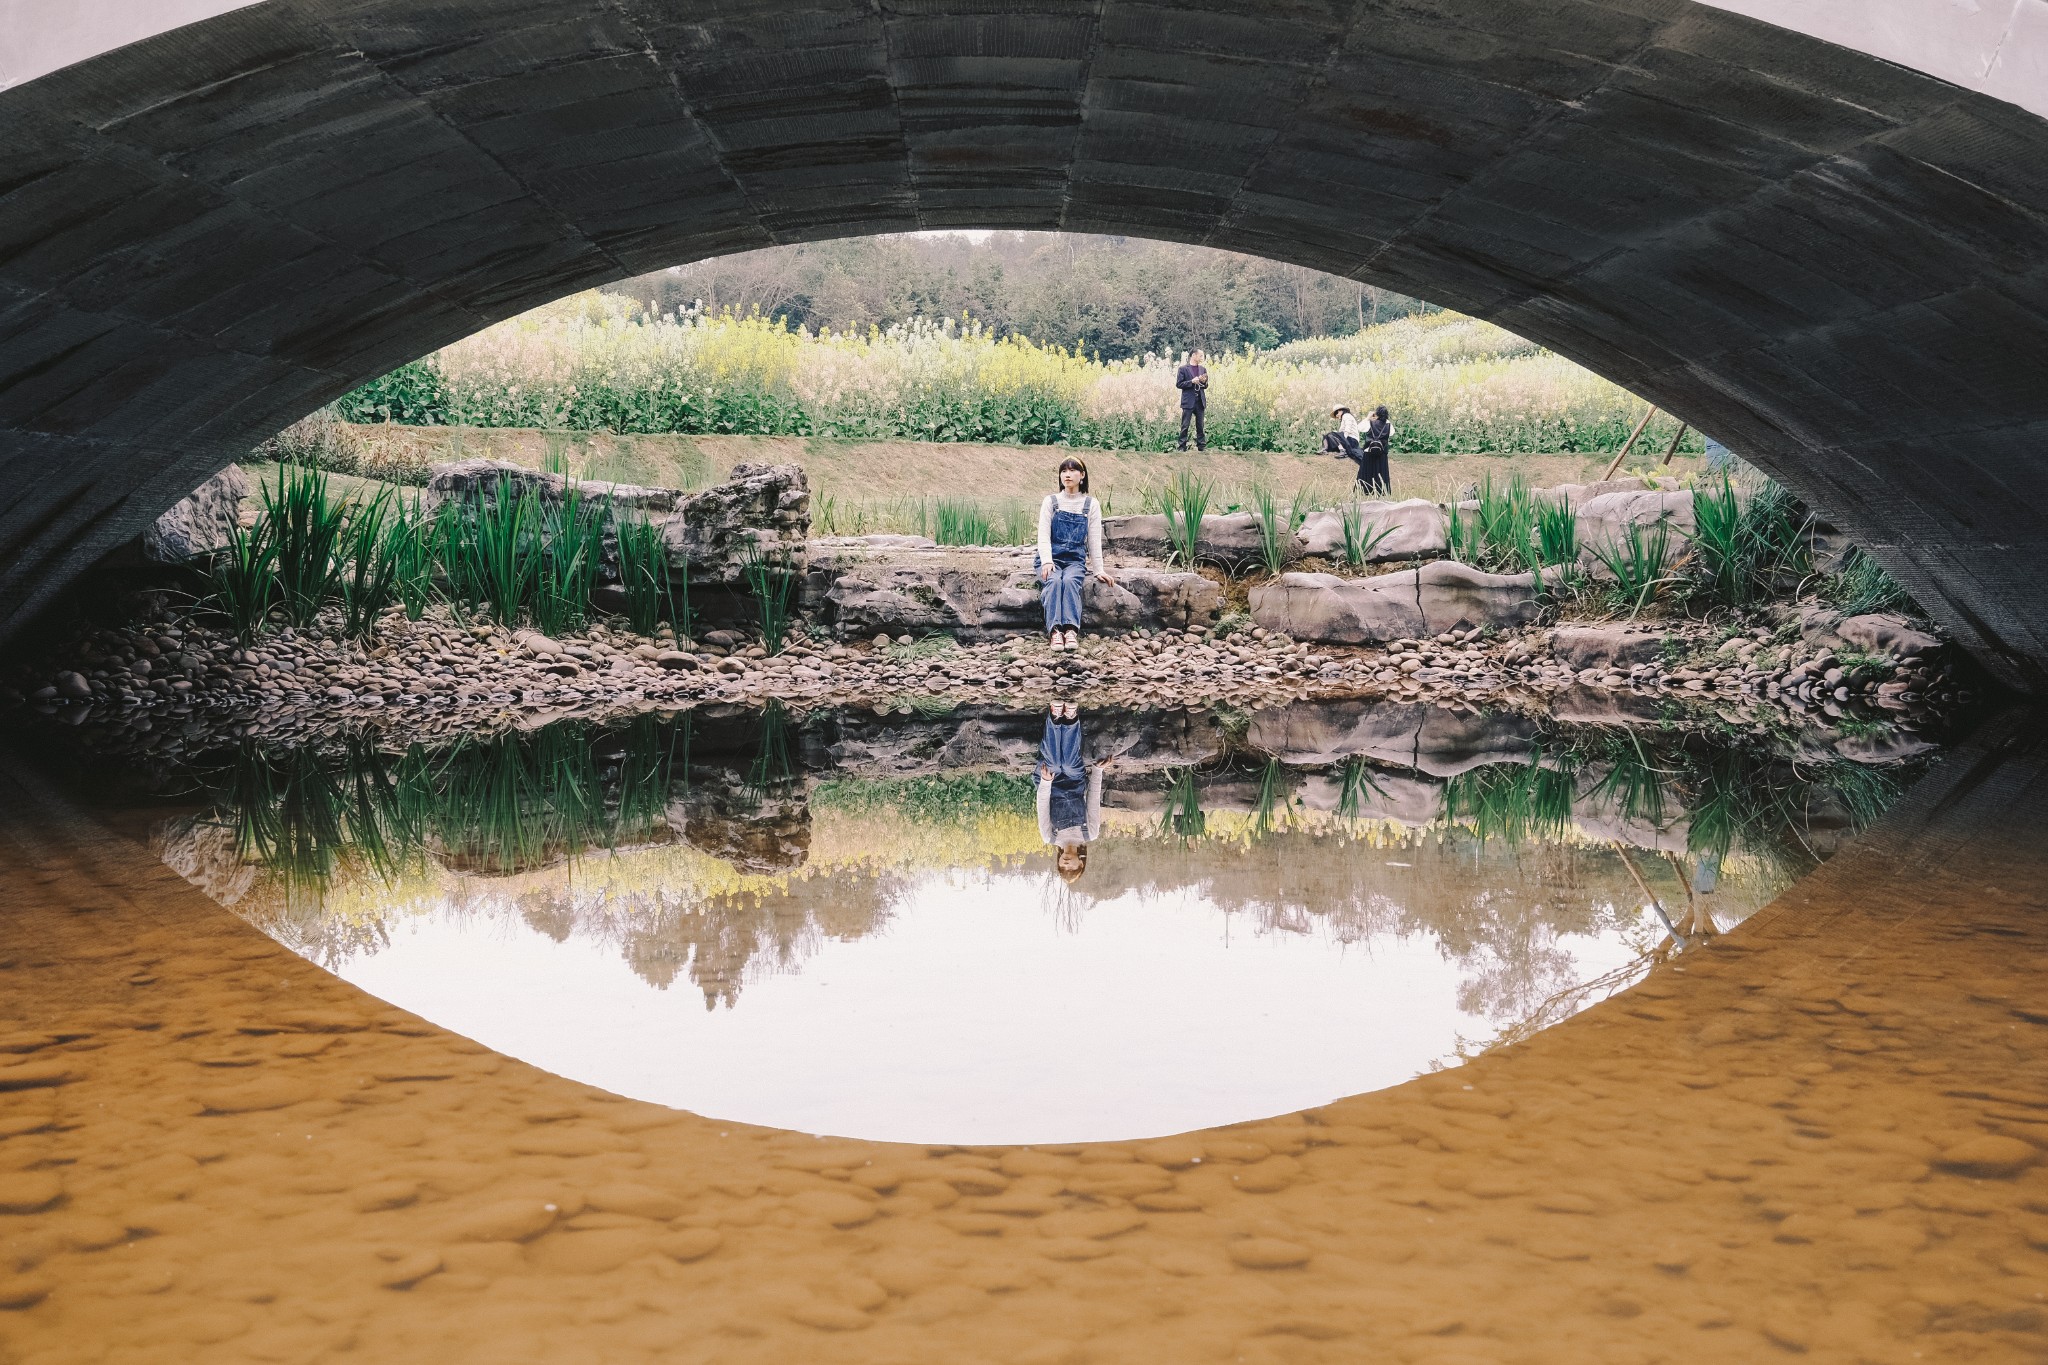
<point>1343,442</point>
<point>1069,549</point>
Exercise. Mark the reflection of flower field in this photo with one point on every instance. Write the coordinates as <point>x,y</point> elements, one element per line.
<point>595,362</point>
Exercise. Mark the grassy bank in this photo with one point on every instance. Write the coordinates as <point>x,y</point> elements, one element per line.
<point>863,486</point>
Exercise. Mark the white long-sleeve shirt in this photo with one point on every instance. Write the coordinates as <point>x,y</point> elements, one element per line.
<point>1071,502</point>
<point>1065,837</point>
<point>1348,426</point>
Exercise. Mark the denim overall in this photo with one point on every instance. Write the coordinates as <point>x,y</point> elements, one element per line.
<point>1060,751</point>
<point>1061,593</point>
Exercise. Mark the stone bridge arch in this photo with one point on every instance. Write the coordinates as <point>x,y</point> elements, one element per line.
<point>1836,262</point>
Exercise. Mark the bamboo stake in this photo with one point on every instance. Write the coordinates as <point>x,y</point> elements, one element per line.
<point>1629,444</point>
<point>1682,429</point>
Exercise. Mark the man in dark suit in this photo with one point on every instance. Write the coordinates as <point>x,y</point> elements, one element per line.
<point>1192,379</point>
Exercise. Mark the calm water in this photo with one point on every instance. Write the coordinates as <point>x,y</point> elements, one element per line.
<point>1818,1136</point>
<point>997,927</point>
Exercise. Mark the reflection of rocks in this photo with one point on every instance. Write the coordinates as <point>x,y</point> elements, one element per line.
<point>204,853</point>
<point>977,592</point>
<point>757,832</point>
<point>864,744</point>
<point>1436,740</point>
<point>1415,603</point>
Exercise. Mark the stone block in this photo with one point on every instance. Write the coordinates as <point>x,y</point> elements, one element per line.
<point>1439,596</point>
<point>978,592</point>
<point>1415,529</point>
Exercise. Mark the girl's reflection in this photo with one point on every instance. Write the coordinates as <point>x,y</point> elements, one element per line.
<point>1069,790</point>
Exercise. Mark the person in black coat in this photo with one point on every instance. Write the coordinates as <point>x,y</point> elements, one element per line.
<point>1373,469</point>
<point>1192,379</point>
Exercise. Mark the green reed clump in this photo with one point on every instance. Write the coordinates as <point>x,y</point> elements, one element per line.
<point>1513,802</point>
<point>1185,501</point>
<point>1861,585</point>
<point>1640,562</point>
<point>410,541</point>
<point>644,576</point>
<point>773,583</point>
<point>368,577</point>
<point>305,527</point>
<point>960,521</point>
<point>1463,540</point>
<point>1748,545</point>
<point>242,580</point>
<point>1272,530</point>
<point>1361,535</point>
<point>569,554</point>
<point>1557,533</point>
<point>1506,522</point>
<point>493,552</point>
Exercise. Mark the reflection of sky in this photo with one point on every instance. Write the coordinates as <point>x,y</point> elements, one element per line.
<point>975,1015</point>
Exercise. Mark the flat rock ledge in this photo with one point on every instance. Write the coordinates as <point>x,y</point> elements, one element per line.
<point>859,587</point>
<point>1440,596</point>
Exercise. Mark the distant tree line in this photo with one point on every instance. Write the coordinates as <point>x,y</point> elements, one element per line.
<point>1119,297</point>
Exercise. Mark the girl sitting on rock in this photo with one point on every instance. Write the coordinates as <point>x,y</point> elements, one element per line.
<point>1069,549</point>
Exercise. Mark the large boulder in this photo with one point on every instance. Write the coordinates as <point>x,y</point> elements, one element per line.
<point>1440,596</point>
<point>1415,529</point>
<point>760,510</point>
<point>1606,647</point>
<point>1576,495</point>
<point>1226,538</point>
<point>978,592</point>
<point>201,522</point>
<point>1603,521</point>
<point>1884,633</point>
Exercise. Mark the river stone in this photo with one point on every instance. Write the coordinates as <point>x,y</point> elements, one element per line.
<point>1266,1253</point>
<point>200,523</point>
<point>1989,1157</point>
<point>1437,597</point>
<point>1416,529</point>
<point>1884,633</point>
<point>29,1191</point>
<point>1615,647</point>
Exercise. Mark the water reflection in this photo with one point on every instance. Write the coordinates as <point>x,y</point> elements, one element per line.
<point>1004,926</point>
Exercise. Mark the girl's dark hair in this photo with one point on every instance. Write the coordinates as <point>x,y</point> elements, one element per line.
<point>1380,412</point>
<point>1071,463</point>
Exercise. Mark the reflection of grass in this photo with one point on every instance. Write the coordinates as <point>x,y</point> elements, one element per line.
<point>495,804</point>
<point>1513,802</point>
<point>948,799</point>
<point>1183,816</point>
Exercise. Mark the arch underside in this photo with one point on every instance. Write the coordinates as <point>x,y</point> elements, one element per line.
<point>1837,266</point>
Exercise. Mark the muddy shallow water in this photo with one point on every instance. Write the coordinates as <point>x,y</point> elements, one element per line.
<point>1814,1130</point>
